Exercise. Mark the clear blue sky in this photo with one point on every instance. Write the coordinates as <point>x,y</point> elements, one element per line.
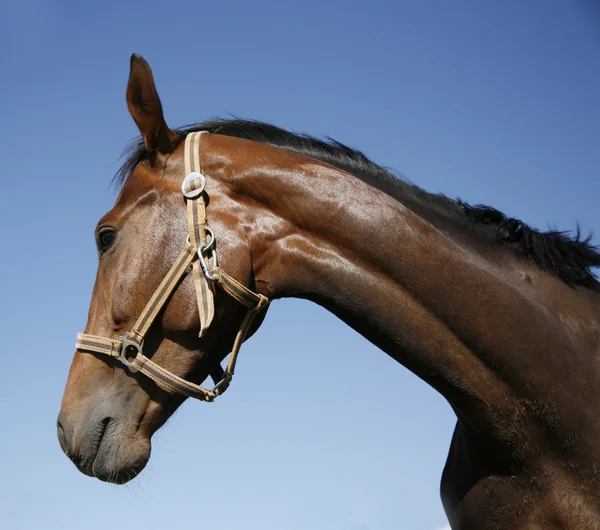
<point>495,102</point>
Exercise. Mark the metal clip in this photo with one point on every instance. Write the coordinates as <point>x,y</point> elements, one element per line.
<point>202,250</point>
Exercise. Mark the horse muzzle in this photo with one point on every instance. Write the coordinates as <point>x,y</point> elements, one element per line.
<point>104,446</point>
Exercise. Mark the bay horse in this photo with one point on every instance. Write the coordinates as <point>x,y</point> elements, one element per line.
<point>215,220</point>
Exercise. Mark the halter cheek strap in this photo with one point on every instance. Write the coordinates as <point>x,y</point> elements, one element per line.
<point>192,188</point>
<point>199,251</point>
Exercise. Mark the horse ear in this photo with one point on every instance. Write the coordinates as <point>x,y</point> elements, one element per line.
<point>145,107</point>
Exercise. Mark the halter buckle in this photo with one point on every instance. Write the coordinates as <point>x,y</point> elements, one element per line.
<point>127,344</point>
<point>193,193</point>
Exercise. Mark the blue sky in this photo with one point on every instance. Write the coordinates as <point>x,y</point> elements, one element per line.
<point>494,102</point>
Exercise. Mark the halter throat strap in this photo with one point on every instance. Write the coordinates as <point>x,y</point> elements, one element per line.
<point>199,252</point>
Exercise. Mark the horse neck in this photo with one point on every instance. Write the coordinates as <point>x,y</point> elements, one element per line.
<point>431,301</point>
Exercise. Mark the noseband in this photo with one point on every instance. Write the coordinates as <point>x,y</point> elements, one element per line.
<point>199,251</point>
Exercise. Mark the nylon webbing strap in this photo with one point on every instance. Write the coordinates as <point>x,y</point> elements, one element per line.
<point>165,379</point>
<point>196,208</point>
<point>235,289</point>
<point>241,335</point>
<point>170,382</point>
<point>162,293</point>
<point>99,344</point>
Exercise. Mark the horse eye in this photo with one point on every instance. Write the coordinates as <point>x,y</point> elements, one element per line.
<point>104,239</point>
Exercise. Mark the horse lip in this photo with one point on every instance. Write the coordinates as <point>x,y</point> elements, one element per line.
<point>97,443</point>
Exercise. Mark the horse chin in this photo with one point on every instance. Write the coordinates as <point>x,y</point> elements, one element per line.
<point>119,462</point>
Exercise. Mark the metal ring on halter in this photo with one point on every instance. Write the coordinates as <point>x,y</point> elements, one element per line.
<point>129,345</point>
<point>208,246</point>
<point>202,250</point>
<point>222,385</point>
<point>191,194</point>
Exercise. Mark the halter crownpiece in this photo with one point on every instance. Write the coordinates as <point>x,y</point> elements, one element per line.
<point>199,251</point>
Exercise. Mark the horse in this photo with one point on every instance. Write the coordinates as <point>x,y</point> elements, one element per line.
<point>501,319</point>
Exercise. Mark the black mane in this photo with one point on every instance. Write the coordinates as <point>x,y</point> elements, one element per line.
<point>571,259</point>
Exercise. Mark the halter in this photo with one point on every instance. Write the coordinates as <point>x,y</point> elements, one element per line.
<point>199,251</point>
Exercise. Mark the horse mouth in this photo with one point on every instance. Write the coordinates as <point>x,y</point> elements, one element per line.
<point>98,441</point>
<point>110,457</point>
<point>119,460</point>
<point>88,455</point>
